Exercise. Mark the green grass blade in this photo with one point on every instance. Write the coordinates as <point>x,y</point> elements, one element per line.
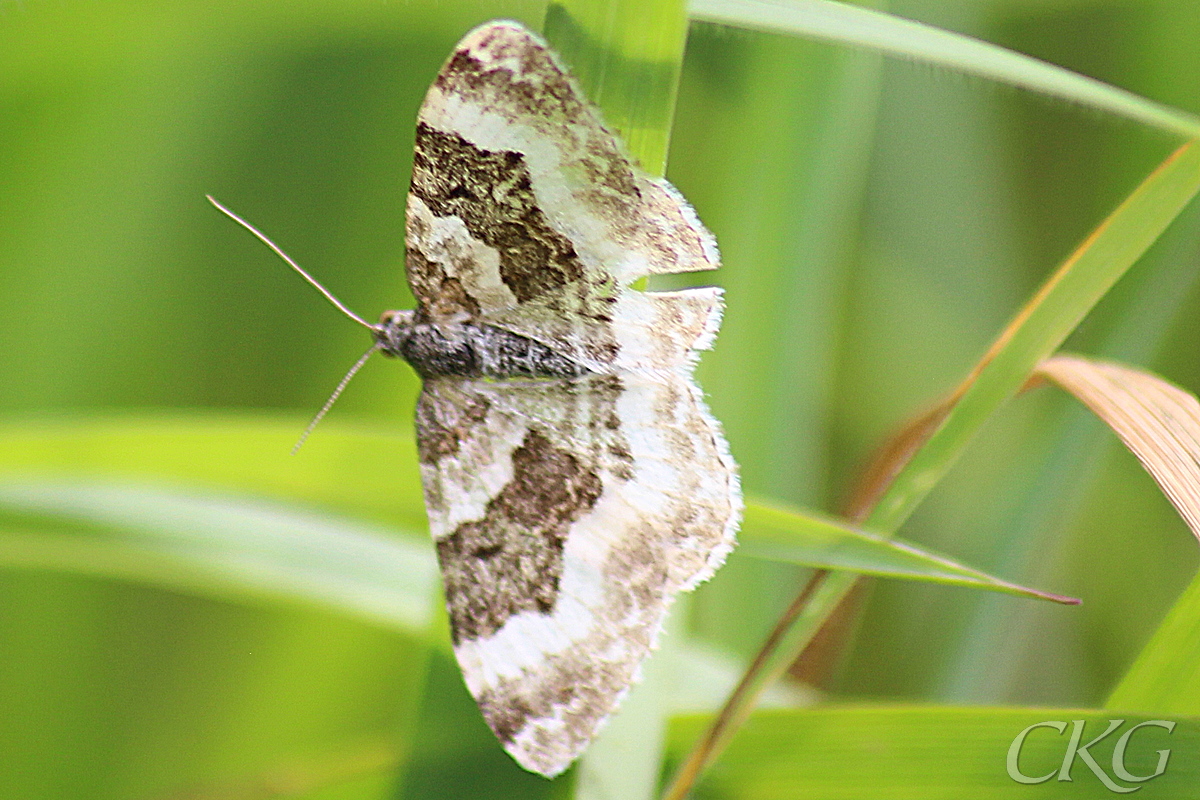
<point>218,546</point>
<point>104,497</point>
<point>627,57</point>
<point>793,121</point>
<point>1165,677</point>
<point>875,30</point>
<point>773,532</point>
<point>1037,331</point>
<point>1151,303</point>
<point>1040,328</point>
<point>368,471</point>
<point>900,753</point>
<point>179,501</point>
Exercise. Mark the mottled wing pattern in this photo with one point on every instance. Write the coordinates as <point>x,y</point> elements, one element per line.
<point>524,212</point>
<point>567,513</point>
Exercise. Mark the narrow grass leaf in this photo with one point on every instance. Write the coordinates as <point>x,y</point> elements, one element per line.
<point>218,546</point>
<point>875,30</point>
<point>201,502</point>
<point>1165,677</point>
<point>627,56</point>
<point>773,532</point>
<point>1042,325</point>
<point>1158,421</point>
<point>902,753</point>
<point>367,471</point>
<point>1036,331</point>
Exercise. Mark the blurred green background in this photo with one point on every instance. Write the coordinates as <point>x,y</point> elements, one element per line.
<point>879,221</point>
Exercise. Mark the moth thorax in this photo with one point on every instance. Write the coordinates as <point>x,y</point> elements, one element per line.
<point>468,349</point>
<point>433,349</point>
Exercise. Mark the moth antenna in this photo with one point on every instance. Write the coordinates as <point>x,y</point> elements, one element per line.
<point>262,237</point>
<point>336,393</point>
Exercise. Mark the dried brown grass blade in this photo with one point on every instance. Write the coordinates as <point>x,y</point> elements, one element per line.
<point>1158,421</point>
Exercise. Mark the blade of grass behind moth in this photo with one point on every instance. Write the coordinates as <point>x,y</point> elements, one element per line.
<point>876,30</point>
<point>626,56</point>
<point>217,545</point>
<point>770,531</point>
<point>1061,481</point>
<point>1042,325</point>
<point>795,126</point>
<point>1162,679</point>
<point>1158,421</point>
<point>1036,331</point>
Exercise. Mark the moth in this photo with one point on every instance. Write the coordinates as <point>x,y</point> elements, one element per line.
<point>574,479</point>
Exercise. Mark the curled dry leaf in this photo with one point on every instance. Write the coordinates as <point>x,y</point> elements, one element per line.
<point>1158,421</point>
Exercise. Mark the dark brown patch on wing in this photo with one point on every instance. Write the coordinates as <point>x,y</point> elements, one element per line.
<point>609,167</point>
<point>622,465</point>
<point>442,296</point>
<point>506,721</point>
<point>543,90</point>
<point>439,436</point>
<point>511,560</point>
<point>491,192</point>
<point>538,91</point>
<point>581,686</point>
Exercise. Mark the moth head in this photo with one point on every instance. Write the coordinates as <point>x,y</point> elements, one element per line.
<point>394,330</point>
